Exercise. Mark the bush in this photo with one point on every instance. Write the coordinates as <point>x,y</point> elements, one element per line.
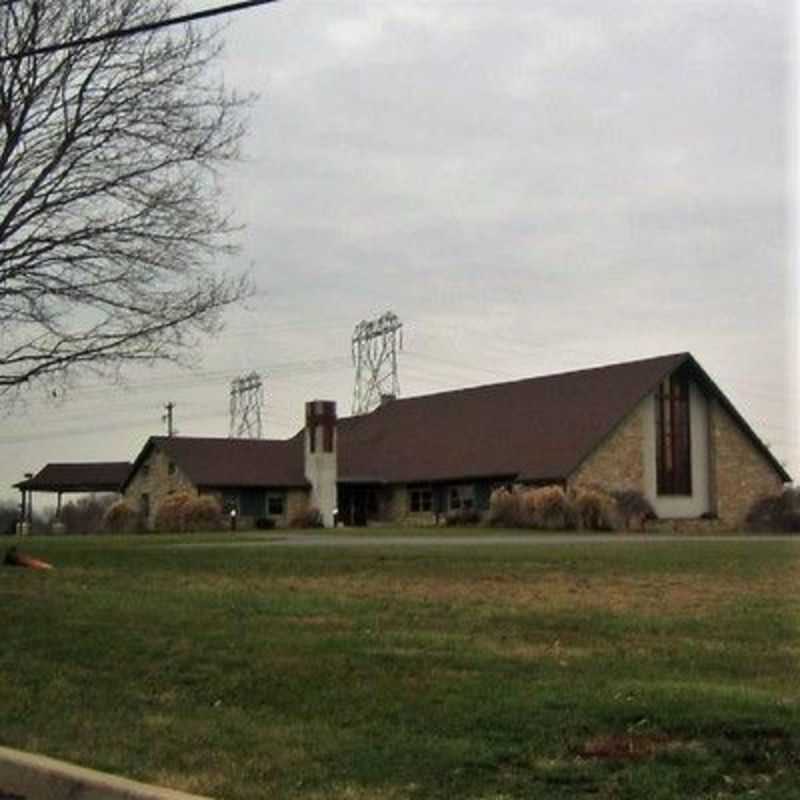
<point>504,508</point>
<point>171,513</point>
<point>265,524</point>
<point>776,513</point>
<point>122,517</point>
<point>202,513</point>
<point>552,510</point>
<point>633,508</point>
<point>86,514</point>
<point>310,518</point>
<point>594,510</point>
<point>465,516</point>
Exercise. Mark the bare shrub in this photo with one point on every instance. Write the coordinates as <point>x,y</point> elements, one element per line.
<point>202,513</point>
<point>122,517</point>
<point>9,516</point>
<point>171,512</point>
<point>633,508</point>
<point>775,513</point>
<point>595,510</point>
<point>310,518</point>
<point>86,514</point>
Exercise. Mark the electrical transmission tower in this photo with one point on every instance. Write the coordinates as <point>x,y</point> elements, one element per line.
<point>375,345</point>
<point>247,399</point>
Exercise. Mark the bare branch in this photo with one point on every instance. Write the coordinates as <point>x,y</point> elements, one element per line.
<point>109,217</point>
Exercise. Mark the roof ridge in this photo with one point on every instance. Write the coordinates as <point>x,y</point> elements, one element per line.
<point>482,386</point>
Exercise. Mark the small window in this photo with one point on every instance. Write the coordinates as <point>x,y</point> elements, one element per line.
<point>145,505</point>
<point>461,497</point>
<point>455,498</point>
<point>421,500</point>
<point>171,468</point>
<point>145,470</point>
<point>275,505</point>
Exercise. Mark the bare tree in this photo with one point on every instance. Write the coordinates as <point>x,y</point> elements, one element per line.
<point>109,215</point>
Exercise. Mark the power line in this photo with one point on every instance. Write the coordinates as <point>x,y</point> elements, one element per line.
<point>121,33</point>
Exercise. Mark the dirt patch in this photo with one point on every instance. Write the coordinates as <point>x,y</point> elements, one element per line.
<point>631,747</point>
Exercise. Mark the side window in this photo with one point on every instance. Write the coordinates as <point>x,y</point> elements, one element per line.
<point>420,500</point>
<point>275,505</point>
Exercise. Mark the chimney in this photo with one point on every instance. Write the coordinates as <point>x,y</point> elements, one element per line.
<point>320,457</point>
<point>387,398</point>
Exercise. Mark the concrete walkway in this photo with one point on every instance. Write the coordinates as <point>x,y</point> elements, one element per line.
<point>26,776</point>
<point>339,539</point>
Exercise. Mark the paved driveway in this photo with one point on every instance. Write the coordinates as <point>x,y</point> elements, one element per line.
<point>338,539</point>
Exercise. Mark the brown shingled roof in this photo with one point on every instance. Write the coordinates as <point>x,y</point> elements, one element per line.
<point>234,462</point>
<point>536,429</point>
<point>95,476</point>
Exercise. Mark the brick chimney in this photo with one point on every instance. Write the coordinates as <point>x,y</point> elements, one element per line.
<point>320,457</point>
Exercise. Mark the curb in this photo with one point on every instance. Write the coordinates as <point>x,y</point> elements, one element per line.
<point>25,776</point>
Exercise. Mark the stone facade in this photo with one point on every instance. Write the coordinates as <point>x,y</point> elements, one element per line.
<point>297,504</point>
<point>740,474</point>
<point>618,463</point>
<point>157,477</point>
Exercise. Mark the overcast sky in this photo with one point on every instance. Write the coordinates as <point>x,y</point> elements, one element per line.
<point>531,187</point>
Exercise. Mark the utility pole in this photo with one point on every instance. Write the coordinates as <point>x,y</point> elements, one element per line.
<point>168,418</point>
<point>374,348</point>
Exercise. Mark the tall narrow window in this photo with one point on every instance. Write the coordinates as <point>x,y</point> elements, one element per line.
<point>673,437</point>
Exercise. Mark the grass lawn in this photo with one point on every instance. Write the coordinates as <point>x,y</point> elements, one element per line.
<point>665,669</point>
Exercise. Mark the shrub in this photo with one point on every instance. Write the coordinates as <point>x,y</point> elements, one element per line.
<point>552,510</point>
<point>465,516</point>
<point>171,512</point>
<point>633,508</point>
<point>310,518</point>
<point>594,509</point>
<point>265,524</point>
<point>86,514</point>
<point>505,508</point>
<point>122,517</point>
<point>202,513</point>
<point>775,513</point>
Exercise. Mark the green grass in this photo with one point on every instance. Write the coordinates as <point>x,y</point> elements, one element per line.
<point>668,669</point>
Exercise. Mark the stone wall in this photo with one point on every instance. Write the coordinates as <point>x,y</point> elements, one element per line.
<point>618,463</point>
<point>297,503</point>
<point>740,473</point>
<point>154,478</point>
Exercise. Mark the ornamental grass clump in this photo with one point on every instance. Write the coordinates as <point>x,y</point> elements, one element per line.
<point>121,517</point>
<point>202,513</point>
<point>552,509</point>
<point>172,512</point>
<point>594,510</point>
<point>504,508</point>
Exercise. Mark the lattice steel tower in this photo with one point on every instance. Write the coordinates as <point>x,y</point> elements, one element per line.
<point>247,399</point>
<point>375,345</point>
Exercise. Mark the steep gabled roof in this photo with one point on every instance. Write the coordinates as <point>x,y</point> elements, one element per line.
<point>535,429</point>
<point>220,462</point>
<point>93,476</point>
